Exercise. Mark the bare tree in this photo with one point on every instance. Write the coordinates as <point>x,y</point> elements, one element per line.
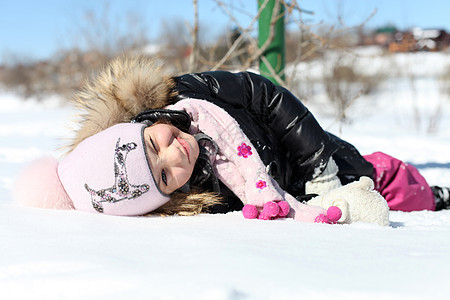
<point>194,35</point>
<point>101,32</point>
<point>98,38</point>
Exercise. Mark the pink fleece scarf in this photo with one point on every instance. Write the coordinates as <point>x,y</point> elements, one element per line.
<point>237,164</point>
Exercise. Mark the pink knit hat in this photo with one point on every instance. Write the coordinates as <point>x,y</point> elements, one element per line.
<point>107,173</point>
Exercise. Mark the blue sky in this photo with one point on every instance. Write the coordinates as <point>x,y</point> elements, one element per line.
<point>36,28</point>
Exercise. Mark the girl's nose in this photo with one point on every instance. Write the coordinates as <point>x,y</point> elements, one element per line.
<point>173,155</point>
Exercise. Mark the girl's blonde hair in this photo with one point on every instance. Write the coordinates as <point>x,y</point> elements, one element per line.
<point>188,204</point>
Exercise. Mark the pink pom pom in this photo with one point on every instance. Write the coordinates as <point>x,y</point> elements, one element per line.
<point>263,216</point>
<point>334,213</point>
<point>38,185</point>
<point>271,209</point>
<point>284,208</point>
<point>322,219</point>
<point>250,211</point>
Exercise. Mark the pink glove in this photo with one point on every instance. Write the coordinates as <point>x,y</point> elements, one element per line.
<point>273,210</point>
<point>333,215</point>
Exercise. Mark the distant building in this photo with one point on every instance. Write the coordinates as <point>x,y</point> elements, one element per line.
<point>431,39</point>
<point>385,35</point>
<point>404,41</point>
<point>416,39</point>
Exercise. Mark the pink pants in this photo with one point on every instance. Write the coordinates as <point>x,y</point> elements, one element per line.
<point>400,184</point>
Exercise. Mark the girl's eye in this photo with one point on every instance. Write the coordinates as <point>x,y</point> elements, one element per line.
<point>164,177</point>
<point>153,144</point>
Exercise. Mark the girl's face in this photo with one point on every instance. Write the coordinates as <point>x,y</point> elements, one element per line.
<point>172,155</point>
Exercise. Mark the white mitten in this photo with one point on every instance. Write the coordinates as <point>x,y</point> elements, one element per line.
<point>358,201</point>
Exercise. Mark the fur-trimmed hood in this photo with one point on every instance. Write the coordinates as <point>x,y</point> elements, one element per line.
<point>124,88</point>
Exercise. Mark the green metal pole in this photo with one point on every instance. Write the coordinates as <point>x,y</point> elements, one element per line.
<point>275,52</point>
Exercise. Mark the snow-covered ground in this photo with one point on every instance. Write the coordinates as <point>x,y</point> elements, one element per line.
<point>47,254</point>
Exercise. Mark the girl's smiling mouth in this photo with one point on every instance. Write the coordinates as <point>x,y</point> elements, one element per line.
<point>185,145</point>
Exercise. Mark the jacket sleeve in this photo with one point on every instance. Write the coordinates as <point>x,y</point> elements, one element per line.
<point>278,111</point>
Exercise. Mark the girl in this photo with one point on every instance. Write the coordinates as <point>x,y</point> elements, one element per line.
<point>254,142</point>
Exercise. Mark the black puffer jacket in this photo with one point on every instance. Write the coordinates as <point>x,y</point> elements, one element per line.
<point>286,135</point>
